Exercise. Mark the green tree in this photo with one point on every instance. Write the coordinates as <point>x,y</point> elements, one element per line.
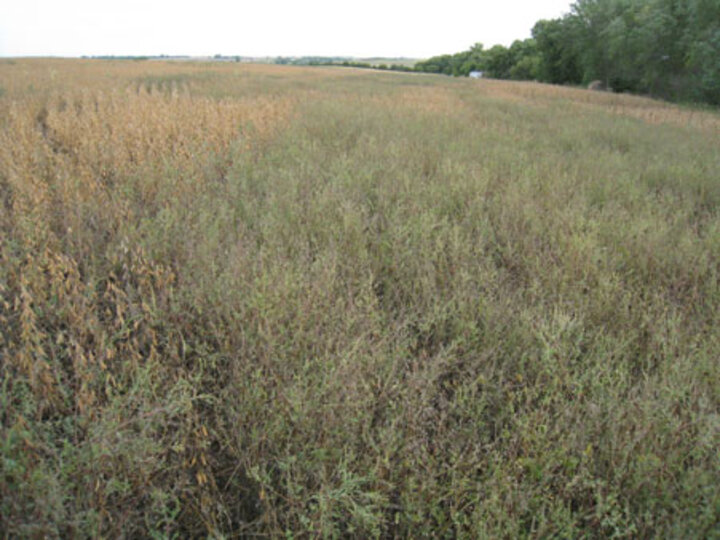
<point>555,40</point>
<point>703,52</point>
<point>473,60</point>
<point>525,60</point>
<point>497,62</point>
<point>665,48</point>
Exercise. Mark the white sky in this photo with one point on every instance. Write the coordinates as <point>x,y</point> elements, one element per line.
<point>391,28</point>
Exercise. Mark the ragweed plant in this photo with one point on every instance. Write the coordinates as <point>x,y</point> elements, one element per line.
<point>243,300</point>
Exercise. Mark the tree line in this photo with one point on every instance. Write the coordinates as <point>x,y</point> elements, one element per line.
<point>664,48</point>
<point>339,61</point>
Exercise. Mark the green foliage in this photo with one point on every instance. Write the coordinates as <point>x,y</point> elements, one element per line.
<point>520,61</point>
<point>665,48</point>
<point>559,62</point>
<point>704,50</point>
<point>660,47</point>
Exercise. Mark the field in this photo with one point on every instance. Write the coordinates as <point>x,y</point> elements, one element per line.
<point>245,300</point>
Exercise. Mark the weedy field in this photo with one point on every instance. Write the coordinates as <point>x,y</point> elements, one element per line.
<point>244,300</point>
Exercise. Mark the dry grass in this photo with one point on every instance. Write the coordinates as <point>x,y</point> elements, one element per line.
<point>648,110</point>
<point>259,300</point>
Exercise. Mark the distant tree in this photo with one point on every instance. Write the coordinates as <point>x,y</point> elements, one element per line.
<point>559,62</point>
<point>666,48</point>
<point>525,60</point>
<point>703,51</point>
<point>473,60</point>
<point>526,68</point>
<point>400,67</point>
<point>497,62</point>
<point>436,64</point>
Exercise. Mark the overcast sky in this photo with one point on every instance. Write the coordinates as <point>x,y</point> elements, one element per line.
<point>388,28</point>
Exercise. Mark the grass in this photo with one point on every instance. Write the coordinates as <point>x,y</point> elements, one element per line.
<point>261,300</point>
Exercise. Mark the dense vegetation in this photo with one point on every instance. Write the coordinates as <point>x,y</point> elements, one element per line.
<point>665,48</point>
<point>262,300</point>
<point>396,64</point>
